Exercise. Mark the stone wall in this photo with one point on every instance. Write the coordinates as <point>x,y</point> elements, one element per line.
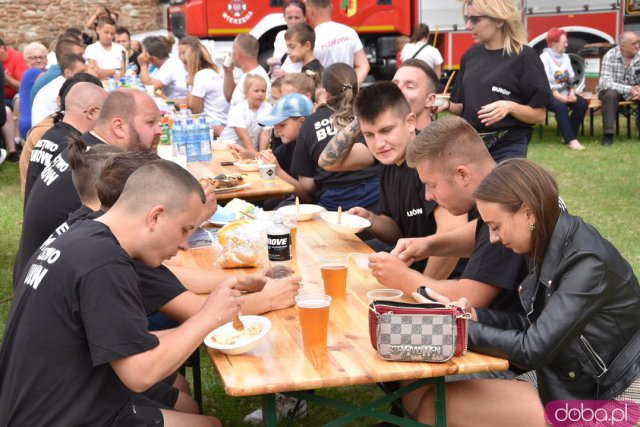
<point>24,21</point>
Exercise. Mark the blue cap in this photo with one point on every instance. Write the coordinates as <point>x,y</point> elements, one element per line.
<point>292,105</point>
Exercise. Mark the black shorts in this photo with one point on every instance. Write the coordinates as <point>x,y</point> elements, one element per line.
<point>163,392</point>
<point>140,412</point>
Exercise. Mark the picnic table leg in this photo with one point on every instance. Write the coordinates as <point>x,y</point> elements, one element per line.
<point>439,398</point>
<point>629,112</point>
<point>269,414</point>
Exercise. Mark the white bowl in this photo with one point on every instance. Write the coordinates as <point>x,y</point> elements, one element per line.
<point>384,295</point>
<point>350,224</point>
<point>440,100</point>
<point>306,211</point>
<point>247,167</point>
<point>243,344</point>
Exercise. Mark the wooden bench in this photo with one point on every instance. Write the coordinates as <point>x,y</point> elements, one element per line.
<point>626,108</point>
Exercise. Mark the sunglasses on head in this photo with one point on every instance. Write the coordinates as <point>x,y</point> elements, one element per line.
<point>474,19</point>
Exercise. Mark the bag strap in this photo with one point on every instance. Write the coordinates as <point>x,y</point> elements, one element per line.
<point>419,50</point>
<point>284,58</point>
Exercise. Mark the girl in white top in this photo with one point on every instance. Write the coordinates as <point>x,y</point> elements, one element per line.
<point>557,65</point>
<point>242,122</point>
<point>205,80</point>
<point>419,48</point>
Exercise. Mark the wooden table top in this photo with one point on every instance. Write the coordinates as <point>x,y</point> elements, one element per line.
<point>257,189</point>
<point>280,363</point>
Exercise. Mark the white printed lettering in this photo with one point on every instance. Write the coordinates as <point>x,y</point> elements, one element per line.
<point>35,275</point>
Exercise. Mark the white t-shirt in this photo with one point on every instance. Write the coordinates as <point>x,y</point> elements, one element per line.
<point>335,43</point>
<point>558,68</point>
<point>207,84</point>
<point>173,76</point>
<point>238,92</point>
<point>279,49</point>
<point>106,59</point>
<point>45,103</point>
<point>241,116</point>
<point>428,54</point>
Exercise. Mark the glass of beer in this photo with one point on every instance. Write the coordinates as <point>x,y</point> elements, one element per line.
<point>313,311</point>
<point>334,269</point>
<point>291,221</point>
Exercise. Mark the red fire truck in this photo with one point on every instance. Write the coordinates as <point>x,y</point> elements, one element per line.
<point>379,22</point>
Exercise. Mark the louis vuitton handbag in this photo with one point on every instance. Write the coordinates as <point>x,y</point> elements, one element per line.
<point>405,332</point>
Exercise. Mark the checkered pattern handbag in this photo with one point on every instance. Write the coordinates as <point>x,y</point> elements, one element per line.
<point>405,332</point>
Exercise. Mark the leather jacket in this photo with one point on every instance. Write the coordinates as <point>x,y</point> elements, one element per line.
<point>580,332</point>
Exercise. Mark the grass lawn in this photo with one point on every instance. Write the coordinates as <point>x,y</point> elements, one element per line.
<point>600,184</point>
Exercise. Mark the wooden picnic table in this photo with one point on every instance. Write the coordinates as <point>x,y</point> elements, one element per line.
<point>280,364</point>
<point>257,188</point>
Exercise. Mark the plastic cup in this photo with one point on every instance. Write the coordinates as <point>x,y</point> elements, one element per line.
<point>334,268</point>
<point>313,311</point>
<point>267,173</point>
<point>384,295</point>
<point>291,221</point>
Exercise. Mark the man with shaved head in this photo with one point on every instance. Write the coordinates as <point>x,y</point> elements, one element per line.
<point>82,108</point>
<point>78,325</point>
<point>128,119</point>
<point>619,80</point>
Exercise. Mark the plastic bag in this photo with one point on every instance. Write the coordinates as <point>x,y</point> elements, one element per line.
<point>244,244</point>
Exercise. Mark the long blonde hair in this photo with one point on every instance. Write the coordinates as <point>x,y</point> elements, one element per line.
<point>198,58</point>
<point>515,36</point>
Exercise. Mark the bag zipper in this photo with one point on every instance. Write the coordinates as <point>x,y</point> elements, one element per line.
<point>593,356</point>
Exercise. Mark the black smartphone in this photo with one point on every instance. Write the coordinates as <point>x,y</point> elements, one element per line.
<point>423,292</point>
<point>227,163</point>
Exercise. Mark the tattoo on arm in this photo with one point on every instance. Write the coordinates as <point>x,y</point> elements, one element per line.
<point>340,145</point>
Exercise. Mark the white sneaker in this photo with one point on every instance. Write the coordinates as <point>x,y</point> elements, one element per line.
<point>285,407</point>
<point>3,155</point>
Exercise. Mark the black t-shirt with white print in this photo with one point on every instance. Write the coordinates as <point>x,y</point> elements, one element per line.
<point>46,149</point>
<point>486,76</point>
<point>77,307</point>
<point>53,197</point>
<point>316,131</point>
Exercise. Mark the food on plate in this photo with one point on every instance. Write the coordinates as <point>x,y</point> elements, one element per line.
<point>233,336</point>
<point>224,181</point>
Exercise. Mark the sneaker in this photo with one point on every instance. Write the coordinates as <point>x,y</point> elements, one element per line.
<point>607,140</point>
<point>3,155</point>
<point>285,407</point>
<point>13,157</point>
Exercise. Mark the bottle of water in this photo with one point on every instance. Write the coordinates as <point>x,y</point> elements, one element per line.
<point>112,84</point>
<point>204,138</point>
<point>279,248</point>
<point>192,140</point>
<point>179,137</point>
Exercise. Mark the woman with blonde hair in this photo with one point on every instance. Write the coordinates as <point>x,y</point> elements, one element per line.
<point>204,81</point>
<point>501,88</point>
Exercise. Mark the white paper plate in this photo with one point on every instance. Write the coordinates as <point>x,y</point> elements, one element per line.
<point>230,189</point>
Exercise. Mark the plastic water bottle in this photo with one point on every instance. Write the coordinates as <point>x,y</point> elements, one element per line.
<point>179,138</point>
<point>192,142</point>
<point>204,138</point>
<point>112,84</point>
<point>279,248</point>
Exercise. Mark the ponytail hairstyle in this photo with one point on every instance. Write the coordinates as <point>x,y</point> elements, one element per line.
<point>341,84</point>
<point>303,83</point>
<point>86,163</point>
<point>421,31</point>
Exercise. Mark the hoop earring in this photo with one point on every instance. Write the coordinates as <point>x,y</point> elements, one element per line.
<point>532,226</point>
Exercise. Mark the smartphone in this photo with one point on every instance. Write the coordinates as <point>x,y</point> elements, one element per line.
<point>423,292</point>
<point>227,163</point>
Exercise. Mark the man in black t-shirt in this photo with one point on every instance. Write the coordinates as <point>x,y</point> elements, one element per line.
<point>82,107</point>
<point>129,120</point>
<point>77,321</point>
<point>388,126</point>
<point>452,160</point>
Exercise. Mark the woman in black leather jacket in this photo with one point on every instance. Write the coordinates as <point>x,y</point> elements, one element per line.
<point>580,336</point>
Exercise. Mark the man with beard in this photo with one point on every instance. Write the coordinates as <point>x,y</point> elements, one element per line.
<point>129,120</point>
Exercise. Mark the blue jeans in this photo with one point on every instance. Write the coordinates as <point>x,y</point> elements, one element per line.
<point>510,149</point>
<point>569,123</point>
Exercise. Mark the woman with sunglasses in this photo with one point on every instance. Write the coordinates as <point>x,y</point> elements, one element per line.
<point>501,88</point>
